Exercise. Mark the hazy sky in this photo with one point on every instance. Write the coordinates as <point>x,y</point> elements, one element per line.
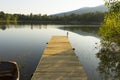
<point>45,6</point>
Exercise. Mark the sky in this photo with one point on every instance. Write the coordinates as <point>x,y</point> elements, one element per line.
<point>45,6</point>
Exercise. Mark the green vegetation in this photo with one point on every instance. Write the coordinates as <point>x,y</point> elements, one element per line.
<point>7,17</point>
<point>109,54</point>
<point>110,29</point>
<point>87,18</point>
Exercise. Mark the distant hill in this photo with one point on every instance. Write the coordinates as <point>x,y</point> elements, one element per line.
<point>100,8</point>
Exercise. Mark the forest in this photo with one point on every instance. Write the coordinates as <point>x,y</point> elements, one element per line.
<point>87,18</point>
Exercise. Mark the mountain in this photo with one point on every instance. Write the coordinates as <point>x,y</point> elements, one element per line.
<point>100,8</point>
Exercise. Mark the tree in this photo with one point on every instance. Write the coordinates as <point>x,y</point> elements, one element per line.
<point>8,17</point>
<point>113,5</point>
<point>109,54</point>
<point>110,29</point>
<point>2,16</point>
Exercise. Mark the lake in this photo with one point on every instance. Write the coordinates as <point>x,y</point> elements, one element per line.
<point>25,44</point>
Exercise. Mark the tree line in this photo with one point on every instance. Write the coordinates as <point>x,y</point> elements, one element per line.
<point>87,18</point>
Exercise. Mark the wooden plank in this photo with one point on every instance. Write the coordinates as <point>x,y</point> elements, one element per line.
<point>59,62</point>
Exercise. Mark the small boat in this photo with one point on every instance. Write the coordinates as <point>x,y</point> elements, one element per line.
<point>9,71</point>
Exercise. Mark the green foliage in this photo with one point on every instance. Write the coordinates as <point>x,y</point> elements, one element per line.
<point>87,18</point>
<point>2,16</point>
<point>109,54</point>
<point>5,17</point>
<point>8,17</point>
<point>110,29</point>
<point>113,5</point>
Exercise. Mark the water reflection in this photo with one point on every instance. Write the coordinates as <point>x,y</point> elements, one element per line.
<point>83,30</point>
<point>25,44</point>
<point>2,27</point>
<point>91,30</point>
<point>109,65</point>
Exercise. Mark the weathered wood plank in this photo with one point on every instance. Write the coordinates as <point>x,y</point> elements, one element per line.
<point>59,62</point>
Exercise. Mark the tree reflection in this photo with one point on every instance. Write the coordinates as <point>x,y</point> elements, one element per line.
<point>3,27</point>
<point>109,65</point>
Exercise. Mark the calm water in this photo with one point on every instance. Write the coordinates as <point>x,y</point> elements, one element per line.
<point>25,44</point>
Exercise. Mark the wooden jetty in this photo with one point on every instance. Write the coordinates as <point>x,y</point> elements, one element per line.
<point>59,62</point>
